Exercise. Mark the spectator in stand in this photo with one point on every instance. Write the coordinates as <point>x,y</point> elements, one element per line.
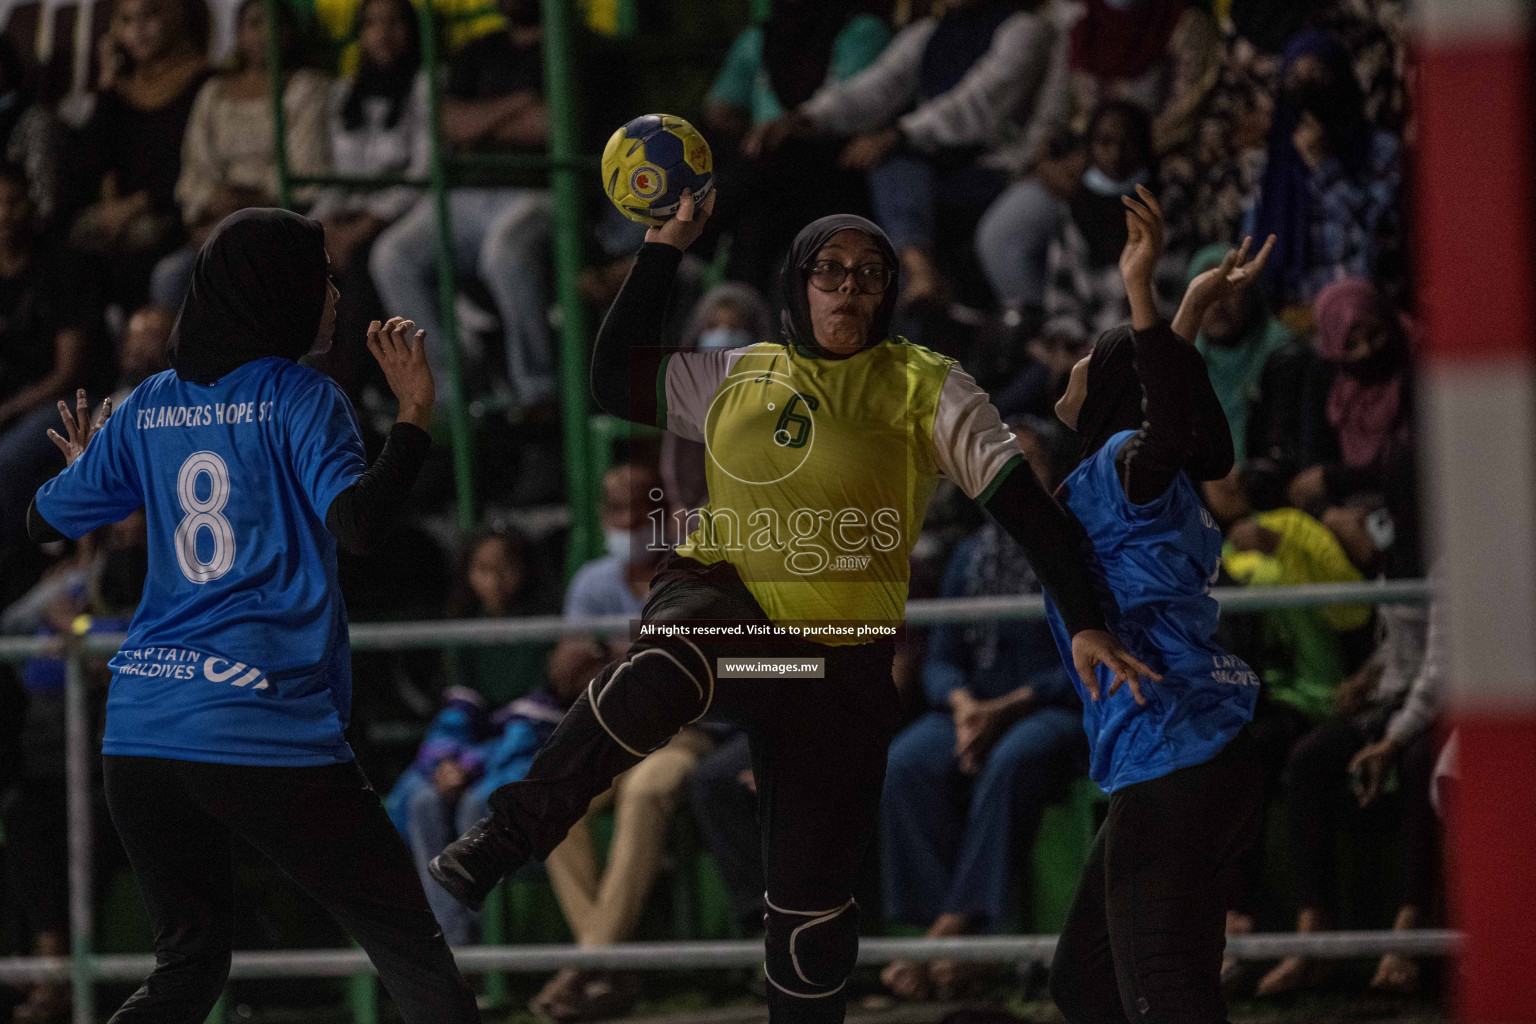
<point>458,22</point>
<point>1159,54</point>
<point>1329,187</point>
<point>49,324</point>
<point>93,591</point>
<point>730,315</point>
<point>30,136</point>
<point>1301,654</point>
<point>966,782</point>
<point>937,118</point>
<point>771,69</point>
<point>493,100</point>
<point>468,752</point>
<point>226,154</point>
<point>1084,293</point>
<point>142,352</point>
<point>377,125</point>
<point>1369,403</point>
<point>1386,720</point>
<point>128,154</point>
<point>1236,339</point>
<point>603,906</point>
<point>496,577</point>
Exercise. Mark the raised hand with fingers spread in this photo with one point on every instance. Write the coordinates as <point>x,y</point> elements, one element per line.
<point>1233,274</point>
<point>79,425</point>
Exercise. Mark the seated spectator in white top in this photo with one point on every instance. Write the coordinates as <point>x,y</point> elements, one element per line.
<point>227,155</point>
<point>937,117</point>
<point>603,906</point>
<point>377,125</point>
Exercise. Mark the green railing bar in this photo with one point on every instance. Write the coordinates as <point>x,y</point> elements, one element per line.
<point>363,996</point>
<point>458,415</point>
<point>82,908</point>
<point>559,93</point>
<point>447,287</point>
<point>279,87</point>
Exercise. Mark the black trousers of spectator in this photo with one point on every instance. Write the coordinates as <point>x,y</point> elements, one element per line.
<point>1317,772</point>
<point>37,833</point>
<point>324,827</point>
<point>1276,728</point>
<point>725,812</point>
<point>1145,936</point>
<point>818,756</point>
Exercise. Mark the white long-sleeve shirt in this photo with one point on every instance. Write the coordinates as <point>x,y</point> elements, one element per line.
<point>1008,101</point>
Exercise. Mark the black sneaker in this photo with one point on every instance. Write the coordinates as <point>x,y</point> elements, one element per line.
<point>472,864</point>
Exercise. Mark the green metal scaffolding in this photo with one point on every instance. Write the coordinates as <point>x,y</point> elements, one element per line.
<point>446,170</point>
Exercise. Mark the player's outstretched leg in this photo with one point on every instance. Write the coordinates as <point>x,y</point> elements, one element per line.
<point>631,708</point>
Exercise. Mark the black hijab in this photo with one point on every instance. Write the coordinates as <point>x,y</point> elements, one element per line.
<point>797,46</point>
<point>258,290</point>
<point>1114,403</point>
<point>795,318</point>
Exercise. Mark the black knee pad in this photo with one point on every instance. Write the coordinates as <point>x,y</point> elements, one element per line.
<point>643,699</point>
<point>811,952</point>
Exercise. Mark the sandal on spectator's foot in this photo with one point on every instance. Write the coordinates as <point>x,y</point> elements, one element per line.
<point>1292,974</point>
<point>1396,975</point>
<point>559,997</point>
<point>607,994</point>
<point>908,979</point>
<point>957,979</point>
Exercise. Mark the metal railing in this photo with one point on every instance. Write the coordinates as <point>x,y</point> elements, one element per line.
<point>446,172</point>
<point>84,968</point>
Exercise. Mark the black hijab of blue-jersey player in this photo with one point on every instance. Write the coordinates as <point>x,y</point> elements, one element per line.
<point>258,290</point>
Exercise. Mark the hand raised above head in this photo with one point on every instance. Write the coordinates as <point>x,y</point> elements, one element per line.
<point>684,227</point>
<point>1235,273</point>
<point>1144,237</point>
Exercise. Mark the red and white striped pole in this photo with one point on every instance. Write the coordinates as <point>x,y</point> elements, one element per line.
<point>1477,263</point>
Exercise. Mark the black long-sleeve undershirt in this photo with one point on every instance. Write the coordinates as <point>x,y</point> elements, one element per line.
<point>365,513</point>
<point>1183,428</point>
<point>360,516</point>
<point>1053,542</point>
<point>629,351</point>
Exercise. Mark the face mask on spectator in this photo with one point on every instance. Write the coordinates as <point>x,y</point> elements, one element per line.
<point>626,545</point>
<point>1099,183</point>
<point>725,337</point>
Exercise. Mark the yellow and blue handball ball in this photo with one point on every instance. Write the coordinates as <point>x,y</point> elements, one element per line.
<point>650,161</point>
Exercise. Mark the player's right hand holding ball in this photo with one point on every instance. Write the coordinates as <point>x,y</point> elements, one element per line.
<point>402,353</point>
<point>685,227</point>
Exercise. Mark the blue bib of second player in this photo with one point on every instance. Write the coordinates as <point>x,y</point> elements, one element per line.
<point>1153,565</point>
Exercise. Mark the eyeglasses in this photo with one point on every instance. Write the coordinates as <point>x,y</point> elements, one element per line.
<point>869,278</point>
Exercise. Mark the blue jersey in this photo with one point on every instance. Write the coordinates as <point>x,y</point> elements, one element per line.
<point>238,652</point>
<point>1153,565</point>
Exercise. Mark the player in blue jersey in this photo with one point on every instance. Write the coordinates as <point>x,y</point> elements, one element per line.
<point>231,695</point>
<point>1144,938</point>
